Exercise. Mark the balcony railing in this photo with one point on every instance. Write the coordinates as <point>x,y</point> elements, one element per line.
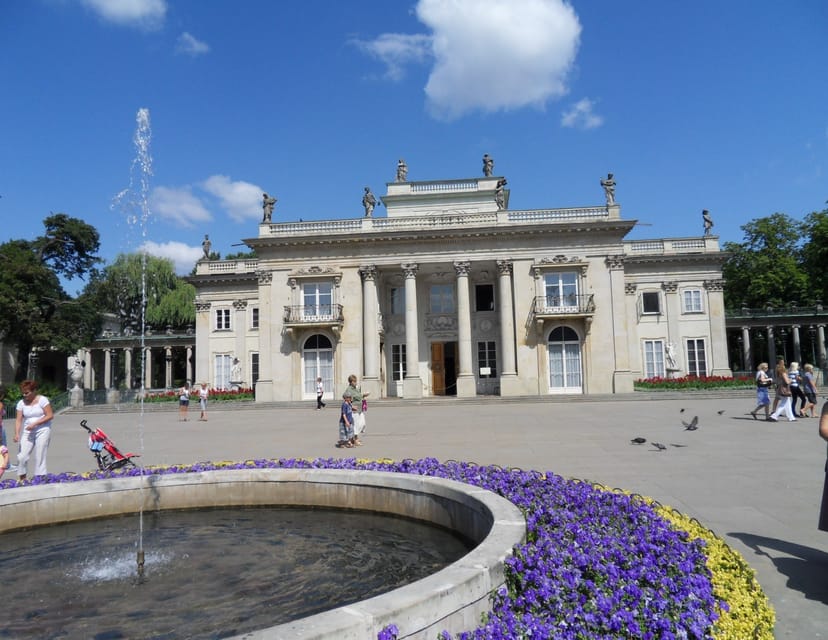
<point>318,314</point>
<point>568,305</point>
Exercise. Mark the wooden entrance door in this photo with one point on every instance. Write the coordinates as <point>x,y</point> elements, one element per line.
<point>438,370</point>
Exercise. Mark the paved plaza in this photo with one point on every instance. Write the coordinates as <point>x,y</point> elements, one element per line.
<point>756,484</point>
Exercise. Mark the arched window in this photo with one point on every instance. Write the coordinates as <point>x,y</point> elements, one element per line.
<point>564,350</point>
<point>317,362</point>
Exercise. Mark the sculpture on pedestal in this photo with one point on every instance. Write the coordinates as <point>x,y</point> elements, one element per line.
<point>609,188</point>
<point>205,247</point>
<point>369,201</point>
<point>402,171</point>
<point>708,222</point>
<point>268,203</point>
<point>500,195</point>
<point>488,165</point>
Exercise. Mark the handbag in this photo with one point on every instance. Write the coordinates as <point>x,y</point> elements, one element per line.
<point>785,390</point>
<point>365,405</point>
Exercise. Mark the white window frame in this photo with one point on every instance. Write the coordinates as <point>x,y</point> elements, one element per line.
<point>398,368</point>
<point>653,358</point>
<point>254,318</point>
<point>397,301</point>
<point>317,300</point>
<point>693,351</point>
<point>222,319</point>
<point>477,288</point>
<point>649,294</point>
<point>487,358</point>
<point>560,289</point>
<point>442,299</point>
<point>222,365</point>
<point>692,301</point>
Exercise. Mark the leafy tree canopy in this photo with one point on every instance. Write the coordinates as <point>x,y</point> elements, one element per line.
<point>815,252</point>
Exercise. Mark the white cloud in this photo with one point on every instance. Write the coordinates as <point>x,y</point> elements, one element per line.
<point>397,49</point>
<point>183,256</point>
<point>581,116</point>
<point>178,205</point>
<point>242,200</point>
<point>488,56</point>
<point>191,46</point>
<point>148,14</point>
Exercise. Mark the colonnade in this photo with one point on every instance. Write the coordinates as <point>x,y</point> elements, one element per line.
<point>776,337</point>
<point>113,366</point>
<point>466,380</point>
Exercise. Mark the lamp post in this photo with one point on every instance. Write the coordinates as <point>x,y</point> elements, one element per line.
<point>783,332</point>
<point>811,334</point>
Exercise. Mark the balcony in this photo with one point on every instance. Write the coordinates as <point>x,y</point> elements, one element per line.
<point>321,315</point>
<point>559,307</point>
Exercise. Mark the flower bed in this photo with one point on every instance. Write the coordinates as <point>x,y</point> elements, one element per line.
<point>693,382</point>
<point>214,395</point>
<point>596,564</point>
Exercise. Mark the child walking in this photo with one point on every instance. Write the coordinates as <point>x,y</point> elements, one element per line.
<point>346,422</point>
<point>320,391</point>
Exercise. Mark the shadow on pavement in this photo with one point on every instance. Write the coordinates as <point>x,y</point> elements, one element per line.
<point>805,567</point>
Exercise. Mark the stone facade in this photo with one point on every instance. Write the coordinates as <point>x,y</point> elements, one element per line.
<point>451,295</point>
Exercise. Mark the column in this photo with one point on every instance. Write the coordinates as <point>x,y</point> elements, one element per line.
<point>240,329</point>
<point>128,367</point>
<point>719,360</point>
<point>466,380</point>
<point>797,346</point>
<point>508,370</point>
<point>672,305</point>
<point>168,367</point>
<point>412,384</point>
<point>87,370</point>
<point>189,364</point>
<point>265,391</point>
<point>147,367</point>
<point>107,368</point>
<point>622,380</point>
<point>370,331</point>
<point>771,349</point>
<point>747,352</point>
<point>821,345</point>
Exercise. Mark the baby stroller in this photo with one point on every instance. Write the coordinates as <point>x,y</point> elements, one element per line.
<point>105,451</point>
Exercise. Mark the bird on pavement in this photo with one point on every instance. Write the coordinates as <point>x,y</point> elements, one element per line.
<point>692,425</point>
<point>720,412</point>
<point>638,440</point>
<point>659,446</point>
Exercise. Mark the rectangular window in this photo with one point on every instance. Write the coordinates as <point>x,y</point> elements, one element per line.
<point>692,299</point>
<point>441,298</point>
<point>651,302</point>
<point>222,319</point>
<point>254,318</point>
<point>397,301</point>
<point>221,375</point>
<point>561,289</point>
<point>486,359</point>
<point>484,297</point>
<point>696,359</point>
<point>653,358</point>
<point>398,361</point>
<point>317,299</point>
<point>254,368</point>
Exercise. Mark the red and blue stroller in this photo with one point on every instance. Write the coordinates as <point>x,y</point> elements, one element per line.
<point>106,453</point>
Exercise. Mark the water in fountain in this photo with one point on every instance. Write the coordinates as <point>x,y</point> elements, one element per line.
<point>211,574</point>
<point>134,201</point>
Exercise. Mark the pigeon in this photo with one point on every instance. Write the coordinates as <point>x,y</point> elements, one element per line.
<point>692,425</point>
<point>638,440</point>
<point>720,412</point>
<point>659,446</point>
<point>681,410</point>
<point>672,444</point>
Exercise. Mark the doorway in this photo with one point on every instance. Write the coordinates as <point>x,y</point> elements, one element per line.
<point>444,368</point>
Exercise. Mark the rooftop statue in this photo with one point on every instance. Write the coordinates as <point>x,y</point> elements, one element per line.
<point>488,165</point>
<point>369,201</point>
<point>402,171</point>
<point>609,188</point>
<point>268,203</point>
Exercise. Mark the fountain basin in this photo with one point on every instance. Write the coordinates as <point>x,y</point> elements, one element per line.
<point>450,599</point>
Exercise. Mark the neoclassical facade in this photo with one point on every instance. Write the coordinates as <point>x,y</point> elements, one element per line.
<point>453,293</point>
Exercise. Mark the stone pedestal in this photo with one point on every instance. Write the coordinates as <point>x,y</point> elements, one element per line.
<point>113,396</point>
<point>76,397</point>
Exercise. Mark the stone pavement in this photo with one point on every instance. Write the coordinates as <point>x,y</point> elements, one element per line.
<point>756,484</point>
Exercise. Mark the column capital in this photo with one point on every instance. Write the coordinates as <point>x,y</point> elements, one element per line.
<point>462,267</point>
<point>630,288</point>
<point>410,269</point>
<point>670,286</point>
<point>265,277</point>
<point>368,272</point>
<point>239,305</point>
<point>504,267</point>
<point>714,285</point>
<point>201,306</point>
<point>615,262</point>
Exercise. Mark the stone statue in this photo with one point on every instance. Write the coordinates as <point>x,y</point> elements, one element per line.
<point>671,357</point>
<point>369,201</point>
<point>235,371</point>
<point>402,171</point>
<point>500,195</point>
<point>609,188</point>
<point>708,222</point>
<point>205,247</point>
<point>488,165</point>
<point>267,207</point>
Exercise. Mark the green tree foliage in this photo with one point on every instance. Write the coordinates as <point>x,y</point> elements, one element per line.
<point>38,313</point>
<point>766,268</point>
<point>815,253</point>
<point>124,286</point>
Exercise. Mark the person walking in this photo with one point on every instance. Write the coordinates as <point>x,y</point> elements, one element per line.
<point>320,392</point>
<point>809,387</point>
<point>360,406</point>
<point>783,390</point>
<point>183,402</point>
<point>32,429</point>
<point>2,411</point>
<point>797,392</point>
<point>203,393</point>
<point>823,432</point>
<point>346,422</point>
<point>763,382</point>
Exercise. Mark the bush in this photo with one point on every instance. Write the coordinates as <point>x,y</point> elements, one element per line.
<point>214,395</point>
<point>693,382</point>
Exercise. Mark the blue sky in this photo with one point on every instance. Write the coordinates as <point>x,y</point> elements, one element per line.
<point>692,105</point>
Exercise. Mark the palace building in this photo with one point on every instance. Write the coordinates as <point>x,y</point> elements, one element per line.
<point>453,293</point>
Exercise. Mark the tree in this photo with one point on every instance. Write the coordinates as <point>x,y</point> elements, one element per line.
<point>136,279</point>
<point>767,267</point>
<point>815,253</point>
<point>38,313</point>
